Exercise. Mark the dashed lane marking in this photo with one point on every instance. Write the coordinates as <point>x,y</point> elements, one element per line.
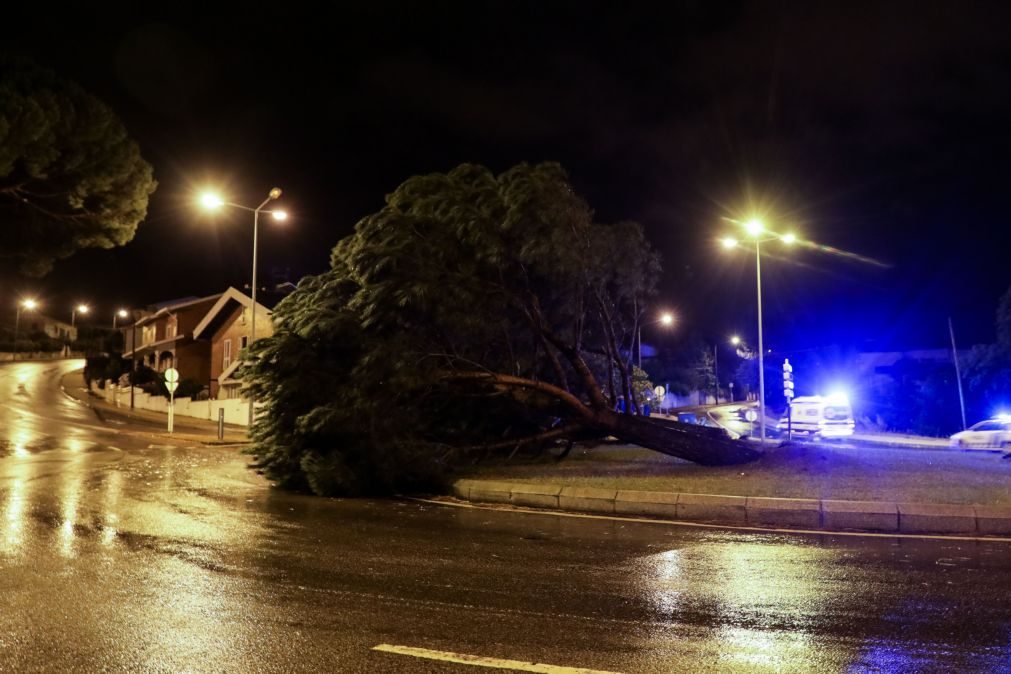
<point>481,661</point>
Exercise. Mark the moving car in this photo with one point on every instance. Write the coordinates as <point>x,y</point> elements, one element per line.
<point>820,417</point>
<point>990,434</point>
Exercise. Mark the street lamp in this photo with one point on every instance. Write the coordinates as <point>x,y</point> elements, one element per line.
<point>27,305</point>
<point>79,309</point>
<point>120,313</point>
<point>666,319</point>
<point>211,201</point>
<point>757,231</point>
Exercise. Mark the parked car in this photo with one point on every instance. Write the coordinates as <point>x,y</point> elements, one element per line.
<point>992,434</point>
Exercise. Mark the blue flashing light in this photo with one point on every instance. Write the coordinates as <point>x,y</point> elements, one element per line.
<point>837,398</point>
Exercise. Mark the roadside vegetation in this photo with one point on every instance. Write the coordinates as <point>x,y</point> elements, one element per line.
<point>474,313</point>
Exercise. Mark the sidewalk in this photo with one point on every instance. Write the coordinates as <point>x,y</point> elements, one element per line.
<point>817,488</point>
<point>186,429</point>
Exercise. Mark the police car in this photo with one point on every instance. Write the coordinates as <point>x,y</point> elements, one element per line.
<point>990,434</point>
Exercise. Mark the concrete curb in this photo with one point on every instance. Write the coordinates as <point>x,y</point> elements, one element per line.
<point>808,514</point>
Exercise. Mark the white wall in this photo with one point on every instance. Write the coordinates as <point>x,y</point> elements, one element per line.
<point>236,410</point>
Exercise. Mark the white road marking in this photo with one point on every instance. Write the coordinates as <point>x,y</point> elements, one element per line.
<point>481,661</point>
<point>705,525</point>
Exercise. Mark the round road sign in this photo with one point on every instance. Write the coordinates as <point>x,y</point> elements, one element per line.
<point>751,415</point>
<point>659,391</point>
<point>171,375</point>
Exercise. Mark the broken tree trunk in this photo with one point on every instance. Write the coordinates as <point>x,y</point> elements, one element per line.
<point>706,446</point>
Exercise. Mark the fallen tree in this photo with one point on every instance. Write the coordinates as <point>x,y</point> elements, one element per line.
<point>472,313</point>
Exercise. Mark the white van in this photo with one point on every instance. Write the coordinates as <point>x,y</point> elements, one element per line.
<point>821,417</point>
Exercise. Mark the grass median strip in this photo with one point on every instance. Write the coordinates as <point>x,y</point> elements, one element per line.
<point>801,472</point>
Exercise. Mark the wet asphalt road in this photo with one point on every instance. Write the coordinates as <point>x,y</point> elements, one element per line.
<point>121,551</point>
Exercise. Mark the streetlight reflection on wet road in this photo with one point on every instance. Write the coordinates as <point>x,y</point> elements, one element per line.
<point>123,550</point>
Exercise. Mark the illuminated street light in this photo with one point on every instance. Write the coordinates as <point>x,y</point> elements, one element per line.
<point>212,201</point>
<point>122,313</point>
<point>735,340</point>
<point>79,309</point>
<point>666,319</point>
<point>756,228</point>
<point>27,305</point>
<point>728,242</point>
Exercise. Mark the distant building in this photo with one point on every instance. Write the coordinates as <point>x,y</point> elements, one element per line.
<point>228,328</point>
<point>165,338</point>
<point>34,323</point>
<point>202,337</point>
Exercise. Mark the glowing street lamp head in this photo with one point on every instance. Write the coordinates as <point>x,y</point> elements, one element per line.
<point>211,201</point>
<point>735,340</point>
<point>275,193</point>
<point>122,313</point>
<point>667,319</point>
<point>789,238</point>
<point>754,227</point>
<point>728,242</point>
<point>29,304</point>
<point>82,308</point>
<point>280,216</point>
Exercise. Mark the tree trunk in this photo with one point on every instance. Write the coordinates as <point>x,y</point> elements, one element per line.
<point>698,444</point>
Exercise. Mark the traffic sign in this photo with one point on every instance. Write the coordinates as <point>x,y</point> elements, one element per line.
<point>659,391</point>
<point>787,380</point>
<point>171,383</point>
<point>751,415</point>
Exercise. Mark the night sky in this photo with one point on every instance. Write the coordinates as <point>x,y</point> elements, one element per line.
<point>879,129</point>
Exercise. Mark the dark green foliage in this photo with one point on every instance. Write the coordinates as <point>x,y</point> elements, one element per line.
<point>70,176</point>
<point>921,398</point>
<point>395,364</point>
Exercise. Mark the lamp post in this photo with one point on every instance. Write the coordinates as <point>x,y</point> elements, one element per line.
<point>79,309</point>
<point>27,305</point>
<point>121,313</point>
<point>666,318</point>
<point>133,355</point>
<point>756,229</point>
<point>211,201</point>
<point>734,341</point>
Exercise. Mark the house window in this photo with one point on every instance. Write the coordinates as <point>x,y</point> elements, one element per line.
<point>226,360</point>
<point>244,341</point>
<point>170,329</point>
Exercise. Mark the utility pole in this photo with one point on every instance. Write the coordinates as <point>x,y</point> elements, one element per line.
<point>133,358</point>
<point>716,370</point>
<point>958,371</point>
